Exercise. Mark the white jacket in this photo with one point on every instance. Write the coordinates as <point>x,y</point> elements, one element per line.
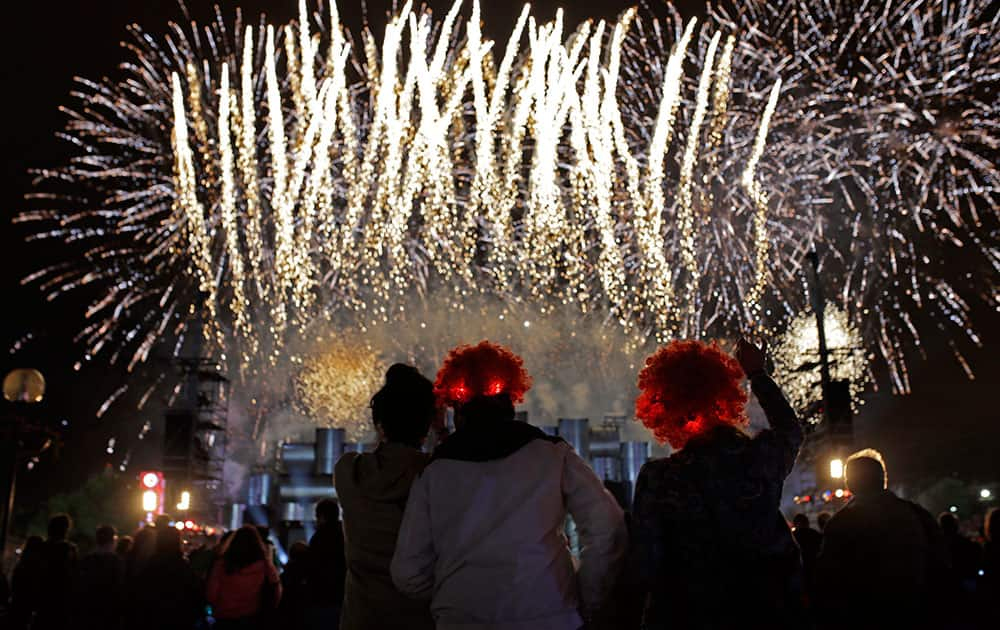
<point>484,539</point>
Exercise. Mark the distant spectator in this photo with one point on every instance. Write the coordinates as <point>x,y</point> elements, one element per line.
<point>326,568</point>
<point>123,547</point>
<point>243,586</point>
<point>162,522</point>
<point>809,541</point>
<point>166,594</point>
<point>822,519</point>
<point>966,555</point>
<point>99,583</point>
<point>203,557</point>
<point>26,588</point>
<point>294,588</point>
<point>991,559</point>
<point>142,549</point>
<point>59,576</point>
<point>881,554</point>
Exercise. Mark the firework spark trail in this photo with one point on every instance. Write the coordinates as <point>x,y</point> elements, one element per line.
<point>649,226</point>
<point>760,202</point>
<point>247,162</point>
<point>487,187</point>
<point>717,126</point>
<point>194,212</point>
<point>685,197</point>
<point>228,208</point>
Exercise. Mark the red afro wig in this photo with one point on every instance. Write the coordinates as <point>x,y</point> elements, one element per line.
<point>486,369</point>
<point>688,388</point>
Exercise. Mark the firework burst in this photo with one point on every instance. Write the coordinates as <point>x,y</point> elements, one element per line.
<point>901,98</point>
<point>797,360</point>
<point>256,181</point>
<point>287,179</point>
<point>336,382</point>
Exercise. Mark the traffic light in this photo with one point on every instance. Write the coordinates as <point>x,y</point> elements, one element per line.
<point>153,488</point>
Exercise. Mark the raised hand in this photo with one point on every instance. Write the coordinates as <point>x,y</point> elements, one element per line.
<point>751,357</point>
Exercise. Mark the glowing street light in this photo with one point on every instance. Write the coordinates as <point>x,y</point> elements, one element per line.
<point>21,387</point>
<point>837,468</point>
<point>24,385</point>
<point>985,493</point>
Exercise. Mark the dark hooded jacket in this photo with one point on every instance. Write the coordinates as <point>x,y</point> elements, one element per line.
<point>372,489</point>
<point>709,546</point>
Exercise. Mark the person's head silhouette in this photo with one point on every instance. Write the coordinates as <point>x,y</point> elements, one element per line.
<point>865,473</point>
<point>948,523</point>
<point>404,407</point>
<point>59,526</point>
<point>327,512</point>
<point>800,521</point>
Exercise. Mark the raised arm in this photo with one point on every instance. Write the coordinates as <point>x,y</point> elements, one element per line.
<point>413,561</point>
<point>786,430</point>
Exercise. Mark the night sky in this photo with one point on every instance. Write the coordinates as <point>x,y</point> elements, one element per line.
<point>947,426</point>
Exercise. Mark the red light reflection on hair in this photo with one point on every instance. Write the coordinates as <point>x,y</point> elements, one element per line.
<point>460,393</point>
<point>486,369</point>
<point>687,388</point>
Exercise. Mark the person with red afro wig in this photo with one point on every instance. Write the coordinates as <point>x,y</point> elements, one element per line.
<point>688,388</point>
<point>706,519</point>
<point>485,370</point>
<point>482,533</point>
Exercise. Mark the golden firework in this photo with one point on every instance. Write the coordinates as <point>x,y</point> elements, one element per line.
<point>336,383</point>
<point>797,361</point>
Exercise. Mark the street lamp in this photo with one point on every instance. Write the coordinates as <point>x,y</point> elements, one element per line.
<point>21,387</point>
<point>837,468</point>
<point>24,385</point>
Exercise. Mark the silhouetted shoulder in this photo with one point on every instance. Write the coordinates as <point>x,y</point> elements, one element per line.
<point>654,466</point>
<point>344,466</point>
<point>347,460</point>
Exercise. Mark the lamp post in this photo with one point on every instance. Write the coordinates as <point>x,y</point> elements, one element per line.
<point>21,387</point>
<point>819,304</point>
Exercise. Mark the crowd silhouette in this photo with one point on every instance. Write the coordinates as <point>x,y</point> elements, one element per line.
<point>472,533</point>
